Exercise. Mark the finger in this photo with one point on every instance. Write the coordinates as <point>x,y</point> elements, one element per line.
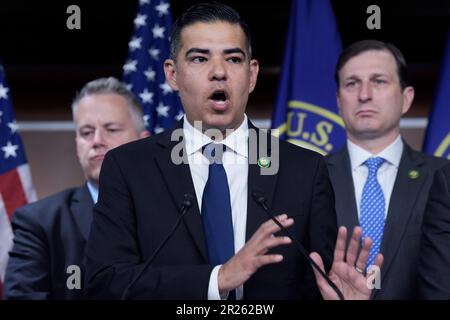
<point>269,227</point>
<point>376,267</point>
<point>339,249</point>
<point>379,260</point>
<point>272,242</point>
<point>327,292</point>
<point>267,259</point>
<point>364,254</point>
<point>284,220</point>
<point>365,250</point>
<point>353,246</point>
<point>318,260</point>
<point>266,231</point>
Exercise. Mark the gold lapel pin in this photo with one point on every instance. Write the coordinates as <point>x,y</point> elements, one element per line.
<point>264,162</point>
<point>413,174</point>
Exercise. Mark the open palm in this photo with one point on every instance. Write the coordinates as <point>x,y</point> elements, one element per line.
<point>348,268</point>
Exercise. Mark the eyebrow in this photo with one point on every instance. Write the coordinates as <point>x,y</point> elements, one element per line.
<point>373,75</point>
<point>108,124</point>
<point>207,51</point>
<point>379,75</point>
<point>85,126</point>
<point>234,50</point>
<point>196,50</point>
<point>352,77</point>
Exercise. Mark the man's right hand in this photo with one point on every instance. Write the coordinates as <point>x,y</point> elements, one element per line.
<point>252,256</point>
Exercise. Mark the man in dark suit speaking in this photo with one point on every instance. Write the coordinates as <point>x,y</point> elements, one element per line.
<point>47,259</point>
<point>221,171</point>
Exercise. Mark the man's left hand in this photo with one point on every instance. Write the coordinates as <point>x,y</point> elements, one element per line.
<point>348,271</point>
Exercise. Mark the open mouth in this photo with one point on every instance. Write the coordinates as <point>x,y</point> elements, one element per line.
<point>219,100</point>
<point>219,96</point>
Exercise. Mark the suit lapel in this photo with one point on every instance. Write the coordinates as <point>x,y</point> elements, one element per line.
<point>341,177</point>
<point>402,202</point>
<point>263,184</point>
<point>81,208</point>
<point>178,180</point>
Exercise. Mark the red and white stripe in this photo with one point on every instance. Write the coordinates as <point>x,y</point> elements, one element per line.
<point>16,190</point>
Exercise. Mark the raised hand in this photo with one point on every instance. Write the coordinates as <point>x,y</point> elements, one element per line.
<point>348,271</point>
<point>253,255</point>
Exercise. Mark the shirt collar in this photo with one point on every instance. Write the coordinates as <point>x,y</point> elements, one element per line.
<point>93,191</point>
<point>236,141</point>
<point>392,153</point>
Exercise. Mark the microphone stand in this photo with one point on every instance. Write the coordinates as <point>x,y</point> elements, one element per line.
<point>186,204</point>
<point>259,198</point>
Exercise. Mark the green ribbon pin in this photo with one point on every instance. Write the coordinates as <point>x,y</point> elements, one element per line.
<point>413,174</point>
<point>264,162</point>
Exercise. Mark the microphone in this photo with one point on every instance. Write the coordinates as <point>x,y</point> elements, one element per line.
<point>261,200</point>
<point>186,204</point>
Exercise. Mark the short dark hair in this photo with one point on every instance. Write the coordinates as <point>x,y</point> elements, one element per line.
<point>368,45</point>
<point>207,12</point>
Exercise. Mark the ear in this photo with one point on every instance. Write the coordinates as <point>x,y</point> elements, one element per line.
<point>170,71</point>
<point>254,70</point>
<point>408,97</point>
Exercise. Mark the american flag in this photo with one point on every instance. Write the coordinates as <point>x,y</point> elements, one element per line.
<point>16,188</point>
<point>143,71</point>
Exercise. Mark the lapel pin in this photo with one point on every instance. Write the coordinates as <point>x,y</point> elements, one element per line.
<point>413,174</point>
<point>264,162</point>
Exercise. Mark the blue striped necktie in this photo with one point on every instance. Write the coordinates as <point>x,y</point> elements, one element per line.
<point>216,210</point>
<point>372,210</point>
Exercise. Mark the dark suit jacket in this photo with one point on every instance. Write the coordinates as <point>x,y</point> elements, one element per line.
<point>401,239</point>
<point>140,193</point>
<point>49,236</point>
<point>434,266</point>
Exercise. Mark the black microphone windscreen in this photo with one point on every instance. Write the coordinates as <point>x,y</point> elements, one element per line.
<point>258,196</point>
<point>187,202</point>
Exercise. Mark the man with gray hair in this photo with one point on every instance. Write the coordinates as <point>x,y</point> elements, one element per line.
<point>47,260</point>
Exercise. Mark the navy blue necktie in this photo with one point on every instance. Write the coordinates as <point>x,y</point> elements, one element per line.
<point>216,210</point>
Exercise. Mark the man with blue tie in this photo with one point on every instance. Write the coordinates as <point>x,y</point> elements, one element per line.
<point>150,240</point>
<point>380,182</point>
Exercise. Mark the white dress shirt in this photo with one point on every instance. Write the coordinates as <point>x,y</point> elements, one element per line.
<point>235,162</point>
<point>93,191</point>
<point>386,174</point>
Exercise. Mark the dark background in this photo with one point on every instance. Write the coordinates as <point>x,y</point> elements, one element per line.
<point>46,63</point>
